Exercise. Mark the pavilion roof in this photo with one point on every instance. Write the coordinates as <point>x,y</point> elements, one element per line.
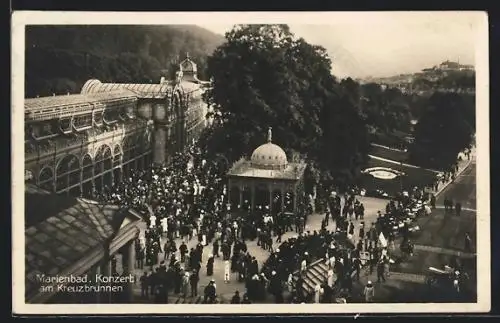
<point>244,168</point>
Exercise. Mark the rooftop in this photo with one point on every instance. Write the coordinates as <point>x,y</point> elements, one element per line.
<point>67,230</point>
<point>74,100</point>
<point>144,91</point>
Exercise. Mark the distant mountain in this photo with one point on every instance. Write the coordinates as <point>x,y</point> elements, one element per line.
<point>59,59</point>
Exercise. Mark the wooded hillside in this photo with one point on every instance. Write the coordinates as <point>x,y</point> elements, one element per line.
<point>59,59</point>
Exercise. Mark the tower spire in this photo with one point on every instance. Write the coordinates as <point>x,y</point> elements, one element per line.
<point>269,134</point>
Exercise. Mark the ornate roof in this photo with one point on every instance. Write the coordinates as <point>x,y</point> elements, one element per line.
<point>269,155</point>
<point>153,91</point>
<point>188,66</point>
<point>74,100</point>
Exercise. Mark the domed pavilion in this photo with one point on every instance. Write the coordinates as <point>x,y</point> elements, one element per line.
<point>264,180</point>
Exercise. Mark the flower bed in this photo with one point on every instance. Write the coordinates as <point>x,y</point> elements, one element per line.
<point>412,177</point>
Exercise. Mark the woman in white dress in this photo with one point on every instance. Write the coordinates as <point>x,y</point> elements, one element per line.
<point>227,271</point>
<point>289,283</point>
<point>330,277</point>
<point>318,291</point>
<point>152,221</point>
<point>331,262</point>
<point>303,265</point>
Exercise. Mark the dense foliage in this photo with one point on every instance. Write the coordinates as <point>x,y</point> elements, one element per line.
<point>265,77</point>
<point>385,110</point>
<point>446,127</point>
<point>60,59</point>
<point>453,80</point>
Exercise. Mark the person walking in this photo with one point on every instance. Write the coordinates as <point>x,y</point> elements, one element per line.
<point>468,242</point>
<point>381,271</point>
<point>458,208</point>
<point>369,292</point>
<point>210,266</point>
<point>193,281</point>
<point>236,298</point>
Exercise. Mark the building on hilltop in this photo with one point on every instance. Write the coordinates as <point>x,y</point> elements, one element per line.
<point>83,142</point>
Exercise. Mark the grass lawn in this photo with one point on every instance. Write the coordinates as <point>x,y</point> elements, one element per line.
<point>413,177</point>
<point>399,156</point>
<point>447,231</point>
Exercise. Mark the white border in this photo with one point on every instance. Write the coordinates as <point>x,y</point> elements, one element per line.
<point>20,19</point>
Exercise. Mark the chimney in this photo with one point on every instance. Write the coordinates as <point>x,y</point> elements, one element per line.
<point>162,80</point>
<point>53,94</point>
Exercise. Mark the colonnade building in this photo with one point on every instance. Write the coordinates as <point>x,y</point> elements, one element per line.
<point>83,142</point>
<point>78,144</point>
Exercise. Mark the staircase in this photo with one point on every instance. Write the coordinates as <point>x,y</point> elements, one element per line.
<point>316,273</point>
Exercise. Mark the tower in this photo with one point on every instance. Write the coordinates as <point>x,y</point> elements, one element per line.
<point>189,70</point>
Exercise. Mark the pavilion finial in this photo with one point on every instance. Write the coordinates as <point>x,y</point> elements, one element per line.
<point>269,134</point>
<point>187,55</point>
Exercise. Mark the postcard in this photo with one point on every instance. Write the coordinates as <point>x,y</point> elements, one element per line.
<point>270,162</point>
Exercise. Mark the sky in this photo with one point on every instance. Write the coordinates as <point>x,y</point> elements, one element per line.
<point>386,44</point>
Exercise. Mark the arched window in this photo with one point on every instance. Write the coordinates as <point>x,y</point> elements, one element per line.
<point>125,148</point>
<point>46,179</point>
<point>132,147</point>
<point>99,161</point>
<point>67,172</point>
<point>117,156</point>
<point>108,159</point>
<point>87,167</point>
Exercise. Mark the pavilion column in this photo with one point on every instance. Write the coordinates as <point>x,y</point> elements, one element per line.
<point>241,197</point>
<point>270,199</point>
<point>160,138</point>
<point>295,201</point>
<point>282,199</point>
<point>252,198</point>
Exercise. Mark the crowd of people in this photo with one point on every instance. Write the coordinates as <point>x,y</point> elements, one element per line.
<point>188,201</point>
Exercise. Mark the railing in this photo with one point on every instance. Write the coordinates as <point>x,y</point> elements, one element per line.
<point>46,147</point>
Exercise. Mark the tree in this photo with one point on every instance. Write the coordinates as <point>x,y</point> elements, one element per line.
<point>264,77</point>
<point>445,128</point>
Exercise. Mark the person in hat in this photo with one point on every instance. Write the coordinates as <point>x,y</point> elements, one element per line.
<point>236,298</point>
<point>185,284</point>
<point>369,292</point>
<point>303,265</point>
<point>210,265</point>
<point>193,281</point>
<point>210,292</point>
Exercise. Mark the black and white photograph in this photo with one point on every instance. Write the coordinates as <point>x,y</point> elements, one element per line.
<point>250,162</point>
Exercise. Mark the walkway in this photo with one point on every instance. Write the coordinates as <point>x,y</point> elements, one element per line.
<point>445,251</point>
